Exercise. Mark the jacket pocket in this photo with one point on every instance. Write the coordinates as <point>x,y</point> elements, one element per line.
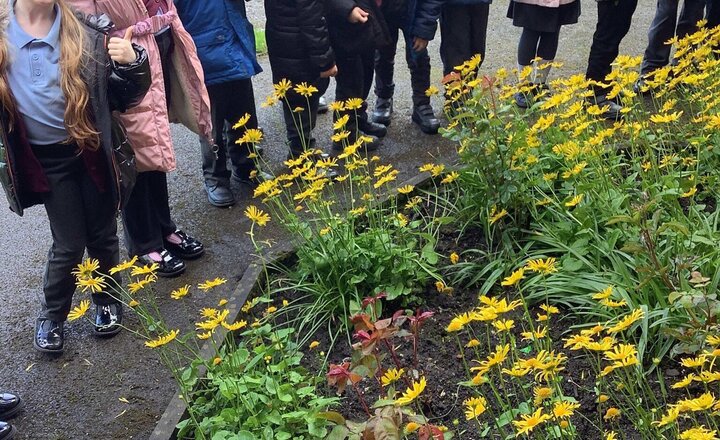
<point>210,49</point>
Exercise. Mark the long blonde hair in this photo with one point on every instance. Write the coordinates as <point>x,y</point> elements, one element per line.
<point>73,56</point>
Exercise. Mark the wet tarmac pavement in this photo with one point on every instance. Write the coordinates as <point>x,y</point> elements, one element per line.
<point>77,395</point>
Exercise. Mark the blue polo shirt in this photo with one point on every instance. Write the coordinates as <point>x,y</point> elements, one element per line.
<point>34,78</point>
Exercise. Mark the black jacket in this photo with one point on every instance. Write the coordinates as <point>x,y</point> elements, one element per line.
<point>297,39</point>
<point>111,87</point>
<point>353,38</point>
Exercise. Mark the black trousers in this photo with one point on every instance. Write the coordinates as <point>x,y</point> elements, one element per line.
<point>463,32</point>
<point>80,218</point>
<point>712,13</point>
<point>418,63</point>
<point>146,215</point>
<point>665,25</point>
<point>614,18</point>
<point>229,102</point>
<point>299,125</point>
<point>354,80</point>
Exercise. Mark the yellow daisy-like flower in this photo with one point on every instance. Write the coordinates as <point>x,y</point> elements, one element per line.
<point>305,90</point>
<point>234,326</point>
<point>79,311</point>
<point>541,393</point>
<point>611,413</point>
<point>691,192</point>
<point>93,284</point>
<point>314,344</point>
<point>496,215</point>
<point>407,189</point>
<point>358,211</point>
<point>282,88</point>
<point>411,427</point>
<point>472,343</point>
<point>514,278</point>
<point>450,177</point>
<point>86,269</point>
<point>241,123</point>
<point>251,136</point>
<point>204,336</point>
<point>133,303</point>
<point>353,104</point>
<point>574,201</point>
<point>699,433</point>
<point>431,91</point>
<point>341,122</point>
<point>257,216</point>
<point>336,106</point>
<point>138,285</point>
<point>125,265</point>
<point>209,284</point>
<point>627,321</point>
<point>474,407</point>
<point>411,394</point>
<point>454,258</point>
<point>546,266</point>
<point>564,409</point>
<point>504,325</point>
<point>694,362</point>
<point>162,340</point>
<point>144,270</point>
<point>611,436</point>
<point>222,302</point>
<point>392,375</point>
<point>528,422</point>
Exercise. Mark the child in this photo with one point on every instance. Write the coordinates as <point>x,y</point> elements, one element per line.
<point>299,49</point>
<point>356,28</point>
<point>177,90</point>
<point>59,82</point>
<point>541,21</point>
<point>226,46</point>
<point>418,21</point>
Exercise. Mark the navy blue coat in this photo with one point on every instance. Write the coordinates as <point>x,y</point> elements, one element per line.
<point>224,38</point>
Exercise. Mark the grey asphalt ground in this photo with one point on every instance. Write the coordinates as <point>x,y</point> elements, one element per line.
<point>76,396</point>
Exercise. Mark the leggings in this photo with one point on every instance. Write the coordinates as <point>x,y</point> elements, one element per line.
<point>537,44</point>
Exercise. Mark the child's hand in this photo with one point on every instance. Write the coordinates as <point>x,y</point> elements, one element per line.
<point>330,72</point>
<point>121,50</point>
<point>419,44</point>
<point>357,15</point>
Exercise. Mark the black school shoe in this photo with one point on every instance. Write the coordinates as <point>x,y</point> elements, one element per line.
<point>10,405</point>
<point>49,336</point>
<point>188,249</point>
<point>169,266</point>
<point>424,116</point>
<point>382,113</point>
<point>372,128</point>
<point>108,319</point>
<point>7,432</point>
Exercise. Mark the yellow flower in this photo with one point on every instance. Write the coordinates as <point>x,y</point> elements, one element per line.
<point>336,106</point>
<point>700,433</point>
<point>411,394</point>
<point>607,293</point>
<point>305,90</point>
<point>495,215</point>
<point>144,270</point>
<point>602,398</point>
<point>611,436</point>
<point>79,311</point>
<point>685,382</point>
<point>713,340</point>
<point>125,265</point>
<point>269,101</point>
<point>282,88</point>
<point>358,211</point>
<point>251,136</point>
<point>234,326</point>
<point>341,122</point>
<point>431,91</point>
<point>86,269</point>
<point>472,343</point>
<point>563,409</point>
<point>314,344</point>
<point>162,340</point>
<point>93,284</point>
<point>694,362</point>
<point>454,258</point>
<point>209,284</point>
<point>666,118</point>
<point>550,310</point>
<point>627,321</point>
<point>474,407</point>
<point>540,333</point>
<point>133,303</point>
<point>391,375</point>
<point>574,201</point>
<point>241,123</point>
<point>256,215</point>
<point>504,325</point>
<point>546,266</point>
<point>528,422</point>
<point>407,189</point>
<point>691,192</point>
<point>670,417</point>
<point>411,427</point>
<point>204,336</point>
<point>611,413</point>
<point>541,393</point>
<point>222,302</point>
<point>138,285</point>
<point>514,278</point>
<point>217,361</point>
<point>450,177</point>
<point>353,103</point>
<point>702,403</point>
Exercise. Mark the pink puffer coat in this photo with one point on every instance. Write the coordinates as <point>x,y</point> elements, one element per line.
<point>148,123</point>
<point>546,3</point>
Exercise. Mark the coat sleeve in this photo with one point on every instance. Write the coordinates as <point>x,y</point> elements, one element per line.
<point>427,13</point>
<point>128,83</point>
<point>314,32</point>
<point>340,9</point>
